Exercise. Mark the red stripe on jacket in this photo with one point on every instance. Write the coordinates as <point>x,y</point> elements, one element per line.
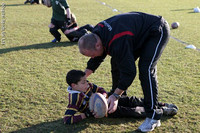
<point>101,25</point>
<point>120,35</point>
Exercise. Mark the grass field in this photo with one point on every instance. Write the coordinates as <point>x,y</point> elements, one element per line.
<point>33,96</point>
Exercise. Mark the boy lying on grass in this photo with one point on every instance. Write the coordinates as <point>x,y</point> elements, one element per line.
<point>80,91</point>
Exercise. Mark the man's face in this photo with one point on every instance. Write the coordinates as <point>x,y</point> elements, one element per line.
<point>82,85</point>
<point>91,53</point>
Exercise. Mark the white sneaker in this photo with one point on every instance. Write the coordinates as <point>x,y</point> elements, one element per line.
<point>149,125</point>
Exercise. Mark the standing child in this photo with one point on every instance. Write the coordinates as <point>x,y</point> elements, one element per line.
<point>61,18</point>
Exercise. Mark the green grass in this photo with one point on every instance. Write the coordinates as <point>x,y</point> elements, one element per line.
<point>33,95</point>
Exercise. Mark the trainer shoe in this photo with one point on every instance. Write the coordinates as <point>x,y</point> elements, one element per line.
<point>149,125</point>
<point>55,40</point>
<point>27,1</point>
<point>170,109</point>
<point>32,2</point>
<point>170,105</point>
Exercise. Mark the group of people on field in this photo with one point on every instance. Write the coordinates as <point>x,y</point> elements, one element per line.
<point>126,38</point>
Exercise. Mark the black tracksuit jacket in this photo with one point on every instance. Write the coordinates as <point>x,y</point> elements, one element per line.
<point>122,37</point>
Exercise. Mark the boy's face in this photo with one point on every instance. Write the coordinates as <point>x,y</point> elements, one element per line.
<point>82,85</point>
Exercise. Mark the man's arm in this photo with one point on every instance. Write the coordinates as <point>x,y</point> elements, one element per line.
<point>94,63</point>
<point>126,65</point>
<point>123,54</point>
<point>88,72</point>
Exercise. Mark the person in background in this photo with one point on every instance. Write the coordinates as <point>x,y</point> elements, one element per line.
<point>61,18</point>
<point>74,32</point>
<point>32,1</point>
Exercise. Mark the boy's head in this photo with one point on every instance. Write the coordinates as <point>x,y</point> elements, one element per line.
<point>77,80</point>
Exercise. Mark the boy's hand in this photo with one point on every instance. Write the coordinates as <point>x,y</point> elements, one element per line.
<point>95,115</point>
<point>105,95</point>
<point>88,113</point>
<point>83,116</point>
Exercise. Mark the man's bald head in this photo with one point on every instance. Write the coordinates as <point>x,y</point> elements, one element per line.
<point>90,45</point>
<point>87,42</point>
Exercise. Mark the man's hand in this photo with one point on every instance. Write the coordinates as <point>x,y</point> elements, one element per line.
<point>112,104</point>
<point>88,72</point>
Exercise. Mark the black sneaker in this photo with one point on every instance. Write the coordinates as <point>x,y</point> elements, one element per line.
<point>170,109</point>
<point>27,2</point>
<point>32,2</point>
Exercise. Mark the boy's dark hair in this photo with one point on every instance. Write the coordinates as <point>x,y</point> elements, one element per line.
<point>74,76</point>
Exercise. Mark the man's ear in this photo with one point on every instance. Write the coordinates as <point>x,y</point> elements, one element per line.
<point>98,45</point>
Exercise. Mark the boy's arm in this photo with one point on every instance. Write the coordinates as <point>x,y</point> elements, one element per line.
<point>72,116</point>
<point>100,90</point>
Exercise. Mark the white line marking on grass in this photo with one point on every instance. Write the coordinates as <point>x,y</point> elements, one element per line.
<point>185,43</point>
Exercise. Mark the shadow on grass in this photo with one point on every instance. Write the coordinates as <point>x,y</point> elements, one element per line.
<point>57,126</point>
<point>18,4</point>
<point>37,46</point>
<point>182,9</point>
<point>22,4</point>
<point>191,10</point>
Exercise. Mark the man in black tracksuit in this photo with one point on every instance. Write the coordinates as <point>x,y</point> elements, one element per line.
<point>127,37</point>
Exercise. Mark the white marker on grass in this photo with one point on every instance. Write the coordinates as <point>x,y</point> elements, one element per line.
<point>190,47</point>
<point>197,10</point>
<point>115,10</point>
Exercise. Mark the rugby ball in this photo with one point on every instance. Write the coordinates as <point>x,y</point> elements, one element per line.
<point>47,3</point>
<point>175,25</point>
<point>98,105</point>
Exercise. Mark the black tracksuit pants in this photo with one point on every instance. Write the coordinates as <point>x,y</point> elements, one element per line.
<point>148,57</point>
